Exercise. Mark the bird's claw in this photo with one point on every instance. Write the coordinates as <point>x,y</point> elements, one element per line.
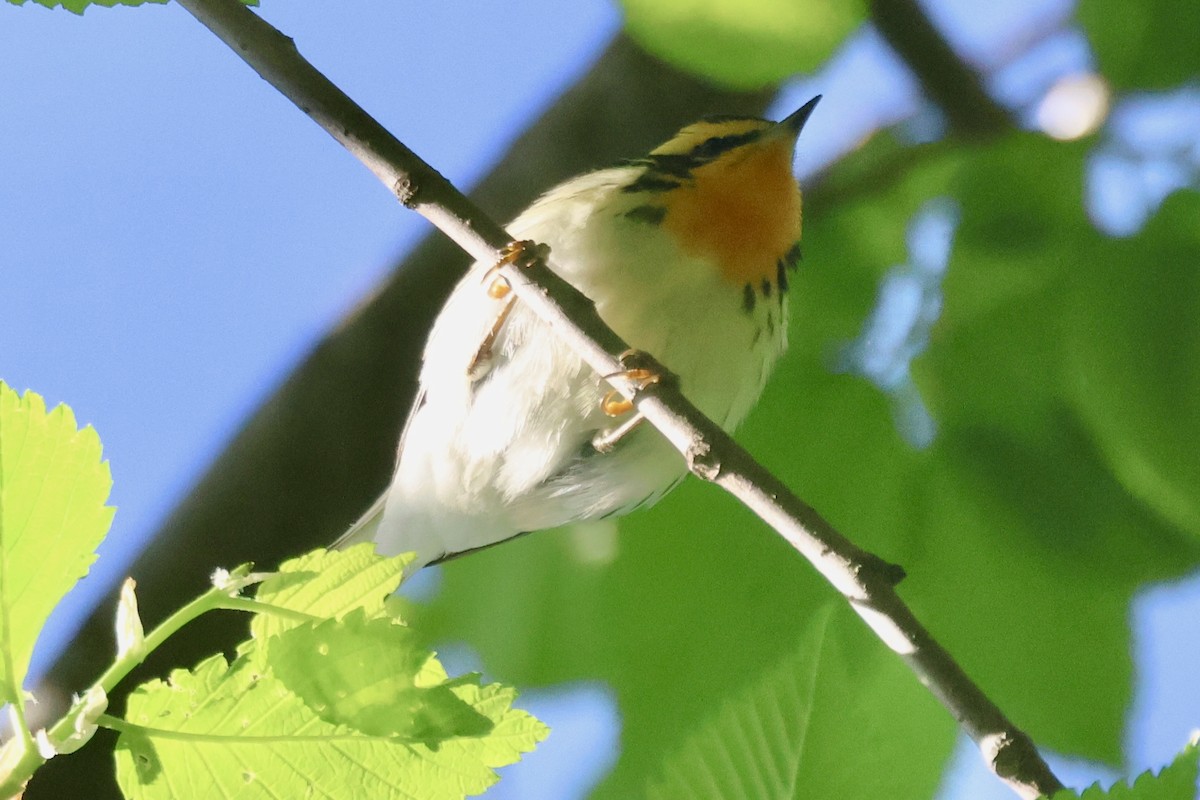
<point>643,371</point>
<point>521,253</point>
<point>640,369</point>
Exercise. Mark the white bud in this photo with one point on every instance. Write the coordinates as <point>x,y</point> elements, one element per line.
<point>83,725</point>
<point>232,583</point>
<point>131,639</point>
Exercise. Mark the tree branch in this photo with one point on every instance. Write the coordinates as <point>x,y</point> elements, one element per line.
<point>863,579</point>
<point>313,455</point>
<point>945,78</point>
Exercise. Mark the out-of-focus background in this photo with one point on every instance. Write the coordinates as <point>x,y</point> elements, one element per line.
<point>994,376</point>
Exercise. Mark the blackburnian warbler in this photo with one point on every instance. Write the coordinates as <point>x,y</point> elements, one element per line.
<point>686,254</point>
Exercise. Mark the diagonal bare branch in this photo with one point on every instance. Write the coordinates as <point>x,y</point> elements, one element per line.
<point>864,580</point>
<point>314,455</point>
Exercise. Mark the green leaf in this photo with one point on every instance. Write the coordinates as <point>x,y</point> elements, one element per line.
<point>746,44</point>
<point>226,730</point>
<point>329,583</point>
<point>782,736</point>
<point>1175,782</point>
<point>1140,45</point>
<point>363,673</point>
<point>1023,544</point>
<point>79,6</point>
<point>1133,342</point>
<point>683,617</point>
<point>53,487</point>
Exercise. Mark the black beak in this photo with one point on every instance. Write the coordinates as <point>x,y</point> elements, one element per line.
<point>795,121</point>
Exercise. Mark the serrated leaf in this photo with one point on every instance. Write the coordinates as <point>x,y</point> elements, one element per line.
<point>785,735</point>
<point>363,673</point>
<point>329,583</point>
<point>53,487</point>
<point>742,43</point>
<point>1023,547</point>
<point>1177,781</point>
<point>79,6</point>
<point>753,747</point>
<point>232,730</point>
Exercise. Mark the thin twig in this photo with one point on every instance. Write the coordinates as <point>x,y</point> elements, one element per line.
<point>945,77</point>
<point>866,581</point>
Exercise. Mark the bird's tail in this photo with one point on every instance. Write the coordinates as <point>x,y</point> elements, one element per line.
<point>364,529</point>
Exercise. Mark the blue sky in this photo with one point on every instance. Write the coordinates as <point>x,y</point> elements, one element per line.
<point>175,234</point>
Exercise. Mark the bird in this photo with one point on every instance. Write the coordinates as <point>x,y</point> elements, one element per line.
<point>687,254</point>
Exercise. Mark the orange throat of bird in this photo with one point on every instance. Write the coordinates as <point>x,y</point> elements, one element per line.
<point>743,212</point>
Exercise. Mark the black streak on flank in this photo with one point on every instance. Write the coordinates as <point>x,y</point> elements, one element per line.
<point>766,288</point>
<point>794,256</point>
<point>651,215</point>
<point>748,298</point>
<point>648,181</point>
<point>789,262</point>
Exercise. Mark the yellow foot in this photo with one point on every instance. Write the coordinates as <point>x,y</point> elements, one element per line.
<point>481,362</point>
<point>642,370</point>
<point>521,253</point>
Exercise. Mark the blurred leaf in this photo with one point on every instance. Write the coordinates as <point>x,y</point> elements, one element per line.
<point>1134,342</point>
<point>700,597</point>
<point>1175,782</point>
<point>363,673</point>
<point>1034,547</point>
<point>1143,45</point>
<point>231,730</point>
<point>53,487</point>
<point>745,44</point>
<point>784,735</point>
<point>1022,542</point>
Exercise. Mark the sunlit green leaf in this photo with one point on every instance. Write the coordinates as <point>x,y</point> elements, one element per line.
<point>328,583</point>
<point>53,487</point>
<point>79,6</point>
<point>363,673</point>
<point>232,730</point>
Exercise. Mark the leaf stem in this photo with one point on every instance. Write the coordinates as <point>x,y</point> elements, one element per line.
<point>237,603</point>
<point>125,726</point>
<point>15,775</point>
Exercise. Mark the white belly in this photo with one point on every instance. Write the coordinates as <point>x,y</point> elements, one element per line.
<point>509,452</point>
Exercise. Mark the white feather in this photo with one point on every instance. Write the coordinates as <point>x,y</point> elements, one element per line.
<point>485,459</point>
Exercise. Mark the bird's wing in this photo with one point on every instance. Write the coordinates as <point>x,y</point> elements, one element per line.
<point>363,530</point>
